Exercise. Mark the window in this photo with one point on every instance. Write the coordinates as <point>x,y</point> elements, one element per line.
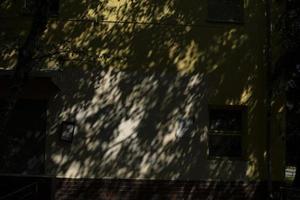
<point>53,8</point>
<point>225,11</point>
<point>225,131</point>
<point>28,7</point>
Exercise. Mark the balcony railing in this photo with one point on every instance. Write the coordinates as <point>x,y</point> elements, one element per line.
<point>27,192</point>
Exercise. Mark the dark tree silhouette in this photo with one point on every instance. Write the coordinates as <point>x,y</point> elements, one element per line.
<point>288,74</point>
<point>26,58</point>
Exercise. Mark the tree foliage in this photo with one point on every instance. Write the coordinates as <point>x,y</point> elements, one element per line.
<point>288,68</point>
<point>25,60</point>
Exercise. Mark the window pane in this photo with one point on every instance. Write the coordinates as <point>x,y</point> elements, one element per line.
<point>28,7</point>
<point>29,4</point>
<point>225,10</point>
<point>225,120</point>
<point>225,146</point>
<point>225,128</point>
<point>54,7</point>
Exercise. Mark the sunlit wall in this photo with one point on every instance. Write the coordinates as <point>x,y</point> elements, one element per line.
<point>128,70</point>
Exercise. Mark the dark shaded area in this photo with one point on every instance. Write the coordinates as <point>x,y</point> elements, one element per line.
<point>291,62</point>
<point>34,88</point>
<point>24,148</point>
<point>25,187</point>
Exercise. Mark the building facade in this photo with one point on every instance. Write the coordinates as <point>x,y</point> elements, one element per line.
<point>147,99</point>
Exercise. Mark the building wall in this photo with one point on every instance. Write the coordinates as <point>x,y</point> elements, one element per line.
<point>129,70</point>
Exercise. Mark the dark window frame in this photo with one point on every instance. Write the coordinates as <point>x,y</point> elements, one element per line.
<point>238,133</point>
<point>233,19</point>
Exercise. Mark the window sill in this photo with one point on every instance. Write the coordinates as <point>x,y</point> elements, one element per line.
<point>232,22</point>
<point>227,158</point>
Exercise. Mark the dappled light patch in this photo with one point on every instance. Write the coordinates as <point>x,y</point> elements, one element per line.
<point>130,72</point>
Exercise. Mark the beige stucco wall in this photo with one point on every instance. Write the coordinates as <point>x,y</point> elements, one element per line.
<point>130,69</point>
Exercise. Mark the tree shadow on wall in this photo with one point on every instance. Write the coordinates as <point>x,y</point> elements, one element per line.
<point>130,70</point>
